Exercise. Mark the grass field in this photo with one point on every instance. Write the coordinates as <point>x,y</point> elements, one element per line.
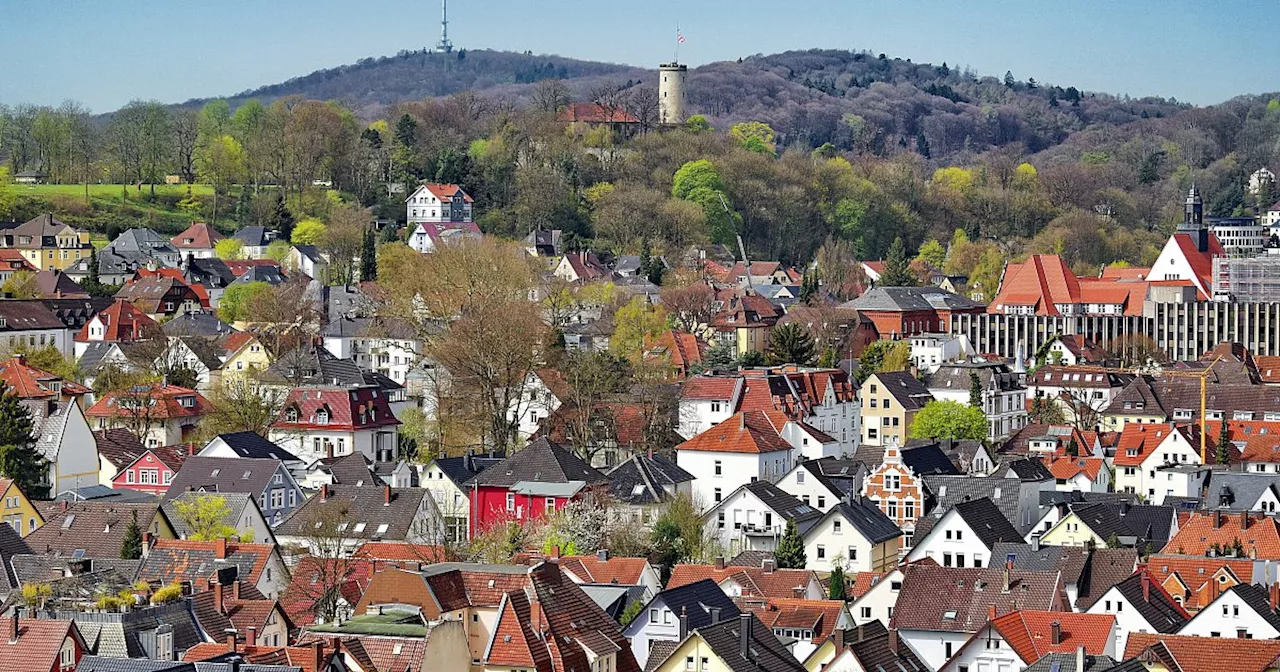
<point>108,191</point>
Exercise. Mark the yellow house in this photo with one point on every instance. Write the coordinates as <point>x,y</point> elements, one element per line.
<point>1136,403</point>
<point>19,513</point>
<point>1072,530</point>
<point>245,355</point>
<point>48,243</point>
<point>890,401</point>
<point>724,647</point>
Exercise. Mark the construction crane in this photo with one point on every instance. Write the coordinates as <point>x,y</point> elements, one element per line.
<point>1203,375</point>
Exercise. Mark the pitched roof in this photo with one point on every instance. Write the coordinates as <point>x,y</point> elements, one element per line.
<point>905,299</point>
<point>1069,467</point>
<point>764,651</point>
<point>223,475</point>
<point>89,526</point>
<point>754,581</point>
<point>540,462</point>
<point>1201,262</point>
<point>958,599</point>
<point>198,236</point>
<point>695,600</point>
<point>1042,282</point>
<point>312,577</point>
<point>28,382</point>
<point>867,518</point>
<point>987,522</point>
<point>1199,574</point>
<point>642,479</point>
<point>444,192</point>
<point>595,113</point>
<point>614,569</point>
<point>254,445</point>
<point>1030,632</point>
<point>1145,523</point>
<point>819,616</point>
<point>1154,603</point>
<point>122,322</point>
<point>1185,653</point>
<point>163,402</point>
<point>236,503</point>
<point>909,392</point>
<point>180,560</point>
<point>1260,539</point>
<point>945,491</point>
<point>1104,568</point>
<point>369,515</point>
<point>38,644</point>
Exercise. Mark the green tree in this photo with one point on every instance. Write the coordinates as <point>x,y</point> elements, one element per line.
<point>1113,541</point>
<point>720,357</point>
<point>949,420</point>
<point>754,136</point>
<point>131,546</point>
<point>933,252</point>
<point>237,298</point>
<point>751,358</point>
<point>790,553</point>
<point>790,343</point>
<point>697,124</point>
<point>281,219</point>
<point>836,590</point>
<point>883,355</point>
<point>975,390</point>
<point>206,517</point>
<point>21,285</point>
<point>700,174</point>
<point>309,232</point>
<point>229,248</point>
<point>1223,455</point>
<point>897,268</point>
<point>221,163</point>
<point>633,322</point>
<point>368,257</point>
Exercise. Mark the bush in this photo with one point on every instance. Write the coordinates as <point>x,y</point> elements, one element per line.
<point>170,593</point>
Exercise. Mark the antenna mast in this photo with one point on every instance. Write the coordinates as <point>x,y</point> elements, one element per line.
<point>445,45</point>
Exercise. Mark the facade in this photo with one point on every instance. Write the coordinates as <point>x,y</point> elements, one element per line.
<point>671,98</point>
<point>744,448</point>
<point>121,322</point>
<point>153,471</point>
<point>542,478</point>
<point>1139,604</point>
<point>1244,611</point>
<point>1143,449</point>
<point>324,422</point>
<point>48,244</point>
<point>904,312</point>
<point>899,492</point>
<point>855,534</point>
<point>930,351</point>
<point>672,613</point>
<point>1018,639</point>
<point>160,415</point>
<point>268,481</point>
<point>438,203</point>
<point>199,241</point>
<point>965,536</point>
<point>19,512</point>
<point>1003,396</point>
<point>754,517</point>
<point>890,401</point>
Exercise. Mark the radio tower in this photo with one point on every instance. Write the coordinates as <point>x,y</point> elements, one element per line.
<point>445,46</point>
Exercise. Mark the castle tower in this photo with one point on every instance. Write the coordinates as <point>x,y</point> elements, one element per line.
<point>671,102</point>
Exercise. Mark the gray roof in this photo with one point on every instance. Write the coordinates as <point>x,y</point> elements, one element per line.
<point>49,420</point>
<point>223,475</point>
<point>991,375</point>
<point>45,567</point>
<point>1066,662</point>
<point>1070,560</point>
<point>253,236</point>
<point>542,461</point>
<point>313,365</point>
<point>132,634</point>
<point>196,324</point>
<point>252,444</point>
<point>93,355</point>
<point>909,392</point>
<point>272,275</point>
<point>765,652</point>
<point>642,479</point>
<point>944,492</point>
<point>365,506</point>
<point>987,522</point>
<point>901,299</point>
<point>696,600</point>
<point>867,518</point>
<point>140,243</point>
<point>462,469</point>
<point>11,544</point>
<point>783,503</point>
<point>1132,524</point>
<point>1234,491</point>
<point>100,492</point>
<point>107,664</point>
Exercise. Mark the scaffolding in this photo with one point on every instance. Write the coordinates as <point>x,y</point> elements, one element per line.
<point>1247,279</point>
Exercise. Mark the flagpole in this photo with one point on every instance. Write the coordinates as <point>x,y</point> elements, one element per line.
<point>677,43</point>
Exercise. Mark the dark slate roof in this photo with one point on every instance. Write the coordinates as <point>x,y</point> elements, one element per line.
<point>253,236</point>
<point>99,492</point>
<point>353,469</point>
<point>1236,491</point>
<point>991,375</point>
<point>902,299</point>
<point>1144,523</point>
<point>45,567</point>
<point>106,664</point>
<point>986,521</point>
<point>944,492</point>
<point>1256,597</point>
<point>1066,662</point>
<point>213,273</point>
<point>1070,560</point>
<point>118,446</point>
<point>309,251</point>
<point>695,600</point>
<point>1159,609</point>
<point>124,635</point>
<point>462,469</point>
<point>750,559</point>
<point>253,445</point>
<point>236,503</point>
<point>867,518</point>
<point>313,365</point>
<point>874,653</point>
<point>928,460</point>
<point>271,275</point>
<point>540,462</point>
<point>909,392</point>
<point>1029,469</point>
<point>223,475</point>
<point>784,503</point>
<point>11,544</point>
<point>839,485</point>
<point>196,324</point>
<point>765,652</point>
<point>642,479</point>
<point>1052,497</point>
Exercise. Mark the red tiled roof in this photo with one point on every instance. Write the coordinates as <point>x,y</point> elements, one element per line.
<point>1070,467</point>
<point>445,192</point>
<point>863,582</point>
<point>198,236</point>
<point>743,432</point>
<point>399,551</point>
<point>1268,368</point>
<point>709,388</point>
<point>180,560</point>
<point>348,409</point>
<point>820,616</point>
<point>28,382</point>
<point>122,323</point>
<point>514,643</point>
<point>39,643</point>
<point>1122,273</point>
<point>313,576</point>
<point>1042,281</point>
<point>1129,295</point>
<point>166,398</point>
<point>1261,539</point>
<point>1204,654</point>
<point>1198,574</point>
<point>1029,633</point>
<point>681,348</point>
<point>756,582</point>
<point>589,569</point>
<point>232,342</point>
<point>1201,262</point>
<point>594,113</point>
<point>12,260</point>
<point>201,291</point>
<point>1142,438</point>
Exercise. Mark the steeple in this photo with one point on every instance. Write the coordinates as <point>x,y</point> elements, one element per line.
<point>1193,212</point>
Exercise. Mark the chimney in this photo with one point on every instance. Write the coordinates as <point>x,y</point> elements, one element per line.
<point>62,506</point>
<point>317,659</point>
<point>1244,520</point>
<point>602,555</point>
<point>251,636</point>
<point>235,590</point>
<point>1079,659</point>
<point>146,544</point>
<point>719,562</point>
<point>1055,633</point>
<point>217,599</point>
<point>715,612</point>
<point>838,637</point>
<point>220,549</point>
<point>684,623</point>
<point>860,633</point>
<point>1217,519</point>
<point>1146,587</point>
<point>744,640</point>
<point>893,641</point>
<point>231,640</point>
<point>1273,592</point>
<point>555,553</point>
<point>991,613</point>
<point>1035,542</point>
<point>386,495</point>
<point>13,627</point>
<point>768,566</point>
<point>324,492</point>
<point>1004,587</point>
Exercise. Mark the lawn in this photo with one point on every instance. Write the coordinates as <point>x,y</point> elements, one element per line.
<point>108,190</point>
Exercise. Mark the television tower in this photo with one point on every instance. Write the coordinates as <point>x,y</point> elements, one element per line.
<point>445,46</point>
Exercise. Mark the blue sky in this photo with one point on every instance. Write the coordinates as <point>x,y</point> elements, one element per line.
<point>106,52</point>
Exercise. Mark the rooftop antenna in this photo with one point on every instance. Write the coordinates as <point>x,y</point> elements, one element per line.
<point>445,46</point>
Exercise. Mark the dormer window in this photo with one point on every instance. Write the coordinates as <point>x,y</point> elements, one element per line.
<point>322,416</point>
<point>291,414</point>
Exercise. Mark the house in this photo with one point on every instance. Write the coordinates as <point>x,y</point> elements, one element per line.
<point>1244,611</point>
<point>309,261</point>
<point>55,284</point>
<point>153,470</point>
<point>874,595</point>
<point>764,580</point>
<point>744,322</point>
<point>896,485</point>
<point>132,250</point>
<point>605,569</point>
<point>890,401</point>
<point>12,261</point>
<point>1139,604</point>
<point>31,324</point>
<point>1086,572</point>
<point>1176,653</point>
<point>28,382</point>
<point>387,346</point>
<point>1016,640</point>
<point>247,444</point>
<point>199,240</point>
<point>903,312</point>
<point>855,534</point>
<point>596,113</point>
<point>940,608</point>
<point>867,647</point>
<point>254,240</point>
<point>19,513</point>
<point>427,237</point>
<point>259,656</point>
<point>47,243</point>
<point>1074,350</point>
<point>546,243</point>
<point>239,607</point>
<point>97,527</point>
<point>161,297</point>
<point>929,352</point>
<point>965,535</point>
<point>336,521</point>
<point>324,421</point>
<point>807,623</point>
<point>1044,285</point>
<point>580,267</point>
<point>1041,441</point>
<point>259,566</point>
<point>152,635</point>
<point>1112,523</point>
<point>1086,474</point>
<point>643,483</point>
<point>242,514</point>
<point>746,447</point>
<point>755,516</point>
<point>1017,501</point>
<point>243,356</point>
<point>160,415</point>
<point>40,645</point>
<point>1003,396</point>
<point>268,481</point>
<point>1142,449</point>
<point>1196,581</point>
<point>672,613</point>
<point>30,176</point>
<point>65,441</point>
<point>121,322</point>
<point>735,644</point>
<point>541,478</point>
<point>544,392</point>
<point>446,478</point>
<point>820,484</point>
<point>680,351</point>
<point>438,203</point>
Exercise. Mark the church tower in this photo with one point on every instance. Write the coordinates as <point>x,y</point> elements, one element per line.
<point>671,103</point>
<point>1193,215</point>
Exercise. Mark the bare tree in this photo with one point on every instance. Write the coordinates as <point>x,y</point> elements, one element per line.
<point>186,131</point>
<point>643,104</point>
<point>342,239</point>
<point>550,96</point>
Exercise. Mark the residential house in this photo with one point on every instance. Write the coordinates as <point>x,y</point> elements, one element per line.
<point>903,312</point>
<point>55,284</point>
<point>896,484</point>
<point>744,323</point>
<point>1074,350</point>
<point>153,470</point>
<point>1003,396</point>
<point>890,401</point>
<point>1244,611</point>
<point>239,607</point>
<point>243,356</point>
<point>268,481</point>
<point>1017,501</point>
<point>247,444</point>
<point>546,243</point>
<point>116,448</point>
<point>671,614</point>
<point>1081,391</point>
<point>1086,572</point>
<point>1143,449</point>
<point>940,608</point>
<point>161,415</point>
<point>318,422</point>
<point>1176,653</point>
<point>874,595</point>
<point>929,352</point>
<point>309,261</point>
<point>154,635</point>
<point>40,644</point>
<point>427,237</point>
<point>47,243</point>
<point>438,203</point>
<point>580,267</point>
<point>1112,523</point>
<point>803,624</point>
<point>869,646</point>
<point>387,346</point>
<point>1196,581</point>
<point>19,513</point>
<point>965,535</point>
<point>132,250</point>
<point>764,580</point>
<point>1139,604</point>
<point>820,484</point>
<point>254,240</point>
<point>1018,639</point>
<point>543,392</point>
<point>28,382</point>
<point>12,261</point>
<point>1257,536</point>
<point>644,483</point>
<point>446,478</point>
<point>95,527</point>
<point>243,515</point>
<point>603,569</point>
<point>121,322</point>
<point>755,516</point>
<point>741,643</point>
<point>259,566</point>
<point>1086,474</point>
<point>854,534</point>
<point>747,447</point>
<point>63,438</point>
<point>198,240</point>
<point>31,324</point>
<point>535,481</point>
<point>161,297</point>
<point>680,351</point>
<point>341,517</point>
<point>308,600</point>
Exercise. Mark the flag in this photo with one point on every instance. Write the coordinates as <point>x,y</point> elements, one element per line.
<point>679,37</point>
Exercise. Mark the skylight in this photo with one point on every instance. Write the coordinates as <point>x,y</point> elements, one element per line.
<point>949,615</point>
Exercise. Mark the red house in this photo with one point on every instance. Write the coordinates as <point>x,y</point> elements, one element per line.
<point>902,312</point>
<point>154,470</point>
<point>541,478</point>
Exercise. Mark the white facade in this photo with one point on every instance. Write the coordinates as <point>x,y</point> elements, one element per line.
<point>655,623</point>
<point>1229,617</point>
<point>717,474</point>
<point>741,522</point>
<point>453,502</point>
<point>931,351</point>
<point>534,404</point>
<point>951,543</point>
<point>988,651</point>
<point>392,357</point>
<point>13,337</point>
<point>1006,410</point>
<point>1239,238</point>
<point>71,449</point>
<point>804,486</point>
<point>312,444</point>
<point>699,415</point>
<point>1174,448</point>
<point>878,602</point>
<point>1180,480</point>
<point>935,647</point>
<point>1128,618</point>
<point>1172,264</point>
<point>424,206</point>
<point>834,540</point>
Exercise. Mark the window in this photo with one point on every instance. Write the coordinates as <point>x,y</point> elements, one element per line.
<point>717,496</point>
<point>715,407</point>
<point>277,498</point>
<point>866,612</point>
<point>835,527</point>
<point>800,476</point>
<point>822,501</point>
<point>511,501</point>
<point>128,476</point>
<point>164,647</point>
<point>853,553</point>
<point>688,663</point>
<point>720,520</point>
<point>892,482</point>
<point>719,468</point>
<point>550,504</point>
<point>947,646</point>
<point>822,552</point>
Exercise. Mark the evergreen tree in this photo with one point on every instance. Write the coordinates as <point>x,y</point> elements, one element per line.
<point>719,357</point>
<point>922,145</point>
<point>282,220</point>
<point>975,390</point>
<point>368,257</point>
<point>791,344</point>
<point>19,459</point>
<point>1073,449</point>
<point>94,278</point>
<point>808,288</point>
<point>244,207</point>
<point>897,272</point>
<point>1113,541</point>
<point>751,358</point>
<point>1224,445</point>
<point>1008,79</point>
<point>790,553</point>
<point>836,588</point>
<point>390,233</point>
<point>131,547</point>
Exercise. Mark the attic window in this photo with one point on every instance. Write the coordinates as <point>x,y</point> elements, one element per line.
<point>359,528</point>
<point>246,476</point>
<point>382,529</point>
<point>291,415</point>
<point>949,615</point>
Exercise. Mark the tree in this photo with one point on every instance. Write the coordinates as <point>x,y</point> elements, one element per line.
<point>679,535</point>
<point>975,390</point>
<point>933,252</point>
<point>1223,455</point>
<point>368,257</point>
<point>697,124</point>
<point>551,96</point>
<point>790,343</point>
<point>689,307</point>
<point>241,405</point>
<point>790,553</point>
<point>235,302</point>
<point>753,136</point>
<point>1113,541</point>
<point>633,323</point>
<point>897,270</point>
<point>229,248</point>
<point>19,459</point>
<point>21,285</point>
<point>949,420</point>
<point>309,232</point>
<point>221,163</point>
<point>281,219</point>
<point>131,546</point>
<point>836,589</point>
<point>342,240</point>
<point>1008,79</point>
<point>883,355</point>
<point>592,379</point>
<point>206,517</point>
<point>720,357</point>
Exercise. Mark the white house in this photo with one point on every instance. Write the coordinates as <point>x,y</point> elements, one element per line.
<point>428,237</point>
<point>931,351</point>
<point>965,535</point>
<point>879,596</point>
<point>388,348</point>
<point>755,516</point>
<point>27,323</point>
<point>854,534</point>
<point>1143,449</point>
<point>674,613</point>
<point>320,422</point>
<point>1003,396</point>
<point>438,203</point>
<point>744,448</point>
<point>1245,611</point>
<point>807,483</point>
<point>1014,641</point>
<point>544,392</point>
<point>1086,474</point>
<point>1139,604</point>
<point>64,438</point>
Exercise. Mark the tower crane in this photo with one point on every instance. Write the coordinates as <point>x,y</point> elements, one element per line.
<point>1203,375</point>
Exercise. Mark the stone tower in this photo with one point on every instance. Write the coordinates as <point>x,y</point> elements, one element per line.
<point>671,102</point>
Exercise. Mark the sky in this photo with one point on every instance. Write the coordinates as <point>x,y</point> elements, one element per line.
<point>105,53</point>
